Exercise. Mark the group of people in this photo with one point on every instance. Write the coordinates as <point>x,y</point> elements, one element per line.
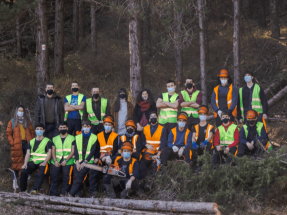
<point>76,137</point>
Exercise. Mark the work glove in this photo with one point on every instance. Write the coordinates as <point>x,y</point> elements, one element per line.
<point>194,145</point>
<point>158,162</point>
<point>218,148</point>
<point>108,160</point>
<point>219,112</point>
<point>149,147</point>
<point>250,146</point>
<point>129,185</point>
<point>203,144</point>
<point>226,150</point>
<point>175,149</point>
<point>180,152</point>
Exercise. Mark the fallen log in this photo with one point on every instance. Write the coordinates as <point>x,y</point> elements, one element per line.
<point>273,85</point>
<point>277,97</point>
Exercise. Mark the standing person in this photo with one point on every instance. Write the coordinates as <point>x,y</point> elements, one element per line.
<point>37,157</point>
<point>144,106</point>
<point>62,160</point>
<point>19,133</point>
<point>95,109</point>
<point>251,96</point>
<point>168,104</point>
<point>224,97</point>
<point>49,111</point>
<point>121,110</point>
<point>190,99</point>
<point>74,105</point>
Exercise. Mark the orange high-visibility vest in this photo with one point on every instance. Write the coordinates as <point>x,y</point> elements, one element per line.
<point>134,141</point>
<point>106,147</point>
<point>153,140</point>
<point>208,129</point>
<point>131,166</point>
<point>174,135</point>
<point>229,100</point>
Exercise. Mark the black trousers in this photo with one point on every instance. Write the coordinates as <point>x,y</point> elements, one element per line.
<point>144,166</point>
<point>169,154</point>
<point>219,122</point>
<point>31,167</point>
<point>119,183</point>
<point>199,151</point>
<point>51,130</point>
<point>79,179</point>
<point>74,125</point>
<point>191,121</point>
<point>54,179</point>
<point>97,128</point>
<point>243,149</point>
<point>218,155</point>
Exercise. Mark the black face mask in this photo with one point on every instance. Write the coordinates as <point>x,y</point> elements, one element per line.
<point>153,120</point>
<point>189,85</point>
<point>96,95</point>
<point>63,132</point>
<point>50,92</point>
<point>251,122</point>
<point>122,96</point>
<point>225,120</point>
<point>130,130</point>
<point>75,89</point>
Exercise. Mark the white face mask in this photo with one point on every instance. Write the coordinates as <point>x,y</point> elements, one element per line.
<point>20,114</point>
<point>223,82</point>
<point>170,89</point>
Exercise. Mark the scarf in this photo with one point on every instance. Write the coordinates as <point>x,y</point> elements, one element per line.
<point>20,120</point>
<point>130,135</point>
<point>144,105</point>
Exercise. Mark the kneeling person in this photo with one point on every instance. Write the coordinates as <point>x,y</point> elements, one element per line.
<point>62,160</point>
<point>178,143</point>
<point>37,157</point>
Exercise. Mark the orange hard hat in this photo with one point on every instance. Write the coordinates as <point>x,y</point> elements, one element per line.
<point>131,123</point>
<point>109,119</point>
<point>127,146</point>
<point>223,73</point>
<point>203,109</point>
<point>148,153</point>
<point>251,114</point>
<point>183,116</point>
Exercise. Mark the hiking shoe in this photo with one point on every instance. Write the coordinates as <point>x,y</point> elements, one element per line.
<point>33,192</point>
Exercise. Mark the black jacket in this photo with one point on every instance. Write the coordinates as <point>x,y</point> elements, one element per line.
<point>136,168</point>
<point>40,111</point>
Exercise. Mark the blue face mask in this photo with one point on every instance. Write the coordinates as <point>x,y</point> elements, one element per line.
<point>247,78</point>
<point>86,130</point>
<point>20,114</point>
<point>39,133</point>
<point>170,89</point>
<point>107,128</point>
<point>202,117</point>
<point>126,155</point>
<point>181,124</point>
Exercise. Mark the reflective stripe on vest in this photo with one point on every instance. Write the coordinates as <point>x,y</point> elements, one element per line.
<point>80,98</point>
<point>79,142</point>
<point>92,116</point>
<point>131,166</point>
<point>190,110</point>
<point>208,129</point>
<point>174,135</point>
<point>134,140</point>
<point>106,147</point>
<point>229,100</point>
<point>168,115</point>
<point>227,138</point>
<point>39,155</point>
<point>63,150</point>
<point>259,126</point>
<point>153,140</point>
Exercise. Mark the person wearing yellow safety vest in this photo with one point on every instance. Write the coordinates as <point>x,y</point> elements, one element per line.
<point>250,133</point>
<point>153,139</point>
<point>37,157</point>
<point>74,105</point>
<point>224,97</point>
<point>202,135</point>
<point>190,99</point>
<point>95,109</point>
<point>62,160</point>
<point>168,104</point>
<point>226,140</point>
<point>85,149</point>
<point>179,140</point>
<point>251,96</point>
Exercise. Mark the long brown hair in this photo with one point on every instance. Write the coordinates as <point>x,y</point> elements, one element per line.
<point>25,117</point>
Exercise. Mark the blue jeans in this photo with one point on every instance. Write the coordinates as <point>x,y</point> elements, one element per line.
<point>51,130</point>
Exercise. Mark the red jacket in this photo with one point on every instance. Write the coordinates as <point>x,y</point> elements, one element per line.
<point>236,136</point>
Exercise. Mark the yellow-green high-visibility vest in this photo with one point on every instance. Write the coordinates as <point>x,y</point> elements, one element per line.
<point>259,126</point>
<point>168,115</point>
<point>92,116</point>
<point>80,98</point>
<point>256,101</point>
<point>190,110</point>
<point>63,150</point>
<point>227,137</point>
<point>39,155</point>
<point>79,142</point>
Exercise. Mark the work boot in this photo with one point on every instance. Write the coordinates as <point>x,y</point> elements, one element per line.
<point>124,194</point>
<point>147,187</point>
<point>93,195</point>
<point>110,191</point>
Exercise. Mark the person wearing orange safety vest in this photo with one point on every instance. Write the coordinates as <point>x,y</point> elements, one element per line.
<point>153,139</point>
<point>179,140</point>
<point>224,97</point>
<point>202,135</point>
<point>132,137</point>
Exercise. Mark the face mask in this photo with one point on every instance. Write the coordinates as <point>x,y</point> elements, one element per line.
<point>75,89</point>
<point>153,120</point>
<point>145,97</point>
<point>170,89</point>
<point>108,128</point>
<point>189,85</point>
<point>126,155</point>
<point>225,120</point>
<point>181,124</point>
<point>122,96</point>
<point>86,130</point>
<point>20,114</point>
<point>50,92</point>
<point>63,132</point>
<point>247,78</point>
<point>96,95</point>
<point>202,117</point>
<point>130,130</point>
<point>39,133</point>
<point>223,82</point>
<point>251,122</point>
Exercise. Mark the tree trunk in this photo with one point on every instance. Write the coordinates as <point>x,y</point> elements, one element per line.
<point>206,39</point>
<point>42,46</point>
<point>274,19</point>
<point>59,37</point>
<point>75,21</point>
<point>261,13</point>
<point>18,38</point>
<point>146,31</point>
<point>200,6</point>
<point>136,81</point>
<point>94,27</point>
<point>82,19</point>
<point>236,43</point>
